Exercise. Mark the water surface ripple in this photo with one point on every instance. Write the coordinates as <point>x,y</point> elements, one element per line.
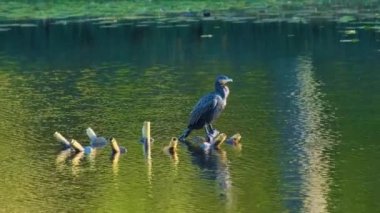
<point>303,98</point>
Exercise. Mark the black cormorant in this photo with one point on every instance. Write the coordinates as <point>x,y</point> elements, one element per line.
<point>209,108</point>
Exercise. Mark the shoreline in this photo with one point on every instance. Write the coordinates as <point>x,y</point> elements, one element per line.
<point>264,12</point>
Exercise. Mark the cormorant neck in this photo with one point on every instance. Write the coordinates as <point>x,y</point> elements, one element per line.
<point>222,90</point>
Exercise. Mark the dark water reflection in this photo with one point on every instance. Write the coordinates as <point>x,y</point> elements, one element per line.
<point>304,98</point>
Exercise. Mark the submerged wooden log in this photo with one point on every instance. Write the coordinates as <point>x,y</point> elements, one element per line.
<point>91,134</point>
<point>77,146</point>
<point>219,140</point>
<point>115,146</point>
<point>206,144</point>
<point>234,140</point>
<point>95,140</point>
<point>62,139</point>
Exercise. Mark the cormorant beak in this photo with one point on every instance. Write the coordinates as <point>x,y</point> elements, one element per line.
<point>225,81</point>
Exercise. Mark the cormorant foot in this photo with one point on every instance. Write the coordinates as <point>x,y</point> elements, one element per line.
<point>214,133</point>
<point>210,139</point>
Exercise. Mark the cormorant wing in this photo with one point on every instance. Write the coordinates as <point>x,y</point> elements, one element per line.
<point>204,106</point>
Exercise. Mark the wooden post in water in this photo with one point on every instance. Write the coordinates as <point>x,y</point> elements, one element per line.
<point>146,138</point>
<point>115,146</point>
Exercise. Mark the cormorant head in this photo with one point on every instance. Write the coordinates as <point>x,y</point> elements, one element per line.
<point>223,80</point>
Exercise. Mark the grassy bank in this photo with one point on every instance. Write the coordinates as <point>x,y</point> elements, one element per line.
<point>61,9</point>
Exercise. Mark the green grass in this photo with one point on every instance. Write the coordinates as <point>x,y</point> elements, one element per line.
<point>47,9</point>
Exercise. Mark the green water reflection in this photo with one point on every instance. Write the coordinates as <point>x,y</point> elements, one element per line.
<point>304,102</point>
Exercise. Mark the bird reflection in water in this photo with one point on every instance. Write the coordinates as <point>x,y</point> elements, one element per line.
<point>213,163</point>
<point>223,176</point>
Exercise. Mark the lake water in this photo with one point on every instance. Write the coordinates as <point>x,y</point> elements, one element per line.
<point>305,99</point>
